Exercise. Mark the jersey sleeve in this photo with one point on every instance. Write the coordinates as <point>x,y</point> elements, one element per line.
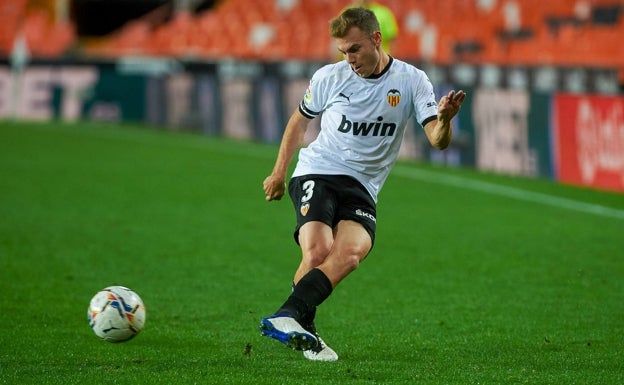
<point>315,99</point>
<point>425,103</point>
<point>307,105</point>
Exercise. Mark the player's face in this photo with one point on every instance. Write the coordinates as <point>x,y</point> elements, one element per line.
<point>361,51</point>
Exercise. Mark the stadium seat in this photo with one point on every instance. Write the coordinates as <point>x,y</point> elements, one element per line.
<point>35,27</point>
<point>132,38</point>
<point>440,31</point>
<point>12,12</point>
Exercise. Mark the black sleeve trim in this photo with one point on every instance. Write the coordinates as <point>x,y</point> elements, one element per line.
<point>307,112</point>
<point>432,117</point>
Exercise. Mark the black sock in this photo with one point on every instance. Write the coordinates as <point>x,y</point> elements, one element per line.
<point>311,291</point>
<point>307,320</point>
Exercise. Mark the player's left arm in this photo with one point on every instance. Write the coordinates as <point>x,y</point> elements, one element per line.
<point>440,131</point>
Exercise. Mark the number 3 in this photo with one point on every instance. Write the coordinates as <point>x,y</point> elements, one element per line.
<point>308,187</point>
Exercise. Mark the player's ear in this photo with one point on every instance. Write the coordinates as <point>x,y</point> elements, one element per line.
<point>376,38</point>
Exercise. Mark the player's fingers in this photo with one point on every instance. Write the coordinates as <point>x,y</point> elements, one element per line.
<point>270,195</point>
<point>460,96</point>
<point>274,197</point>
<point>273,193</point>
<point>266,186</point>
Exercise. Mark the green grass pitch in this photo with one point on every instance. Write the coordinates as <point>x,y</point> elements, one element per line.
<point>474,278</point>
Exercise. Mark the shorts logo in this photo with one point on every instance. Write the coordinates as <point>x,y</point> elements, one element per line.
<point>364,214</point>
<point>394,97</point>
<point>304,208</point>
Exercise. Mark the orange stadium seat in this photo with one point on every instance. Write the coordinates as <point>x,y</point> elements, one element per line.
<point>549,32</point>
<point>132,38</point>
<point>12,12</point>
<point>60,38</point>
<point>35,28</point>
<point>43,36</point>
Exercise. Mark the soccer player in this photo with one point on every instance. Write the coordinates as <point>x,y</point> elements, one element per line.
<point>366,101</point>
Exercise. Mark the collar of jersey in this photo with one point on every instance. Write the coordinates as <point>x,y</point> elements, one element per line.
<point>386,68</point>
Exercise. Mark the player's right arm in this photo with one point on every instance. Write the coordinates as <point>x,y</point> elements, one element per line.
<point>275,184</point>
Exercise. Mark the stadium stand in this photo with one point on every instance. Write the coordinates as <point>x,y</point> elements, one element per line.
<point>45,37</point>
<point>12,13</point>
<point>531,32</point>
<point>505,32</point>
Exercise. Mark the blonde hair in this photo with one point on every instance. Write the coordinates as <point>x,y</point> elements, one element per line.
<point>359,17</point>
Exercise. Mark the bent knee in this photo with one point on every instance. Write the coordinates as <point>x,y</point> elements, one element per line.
<point>353,255</point>
<point>351,262</point>
<point>316,253</point>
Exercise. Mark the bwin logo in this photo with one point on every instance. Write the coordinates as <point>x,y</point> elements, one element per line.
<point>378,128</point>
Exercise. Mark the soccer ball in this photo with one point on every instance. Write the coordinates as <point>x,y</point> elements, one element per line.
<point>116,314</point>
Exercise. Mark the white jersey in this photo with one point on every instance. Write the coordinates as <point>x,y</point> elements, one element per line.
<point>363,120</point>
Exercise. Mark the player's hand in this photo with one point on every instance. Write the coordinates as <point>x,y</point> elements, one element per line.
<point>449,105</point>
<point>274,188</point>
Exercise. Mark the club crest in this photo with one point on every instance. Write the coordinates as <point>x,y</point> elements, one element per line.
<point>304,209</point>
<point>394,97</point>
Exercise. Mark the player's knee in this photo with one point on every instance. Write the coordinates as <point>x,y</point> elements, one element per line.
<point>351,262</point>
<point>317,253</point>
<point>353,256</point>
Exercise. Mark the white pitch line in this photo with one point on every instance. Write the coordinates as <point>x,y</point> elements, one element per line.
<point>506,191</point>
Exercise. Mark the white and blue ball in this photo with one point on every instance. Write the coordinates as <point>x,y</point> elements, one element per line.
<point>116,314</point>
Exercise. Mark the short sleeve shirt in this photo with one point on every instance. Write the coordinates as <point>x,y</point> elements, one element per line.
<point>363,120</point>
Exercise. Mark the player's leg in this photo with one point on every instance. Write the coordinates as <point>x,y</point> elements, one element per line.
<point>314,199</point>
<point>328,255</point>
<point>293,323</point>
<point>315,239</point>
<point>351,245</point>
<point>311,289</point>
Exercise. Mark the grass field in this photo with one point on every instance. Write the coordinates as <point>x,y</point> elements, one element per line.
<point>474,279</point>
